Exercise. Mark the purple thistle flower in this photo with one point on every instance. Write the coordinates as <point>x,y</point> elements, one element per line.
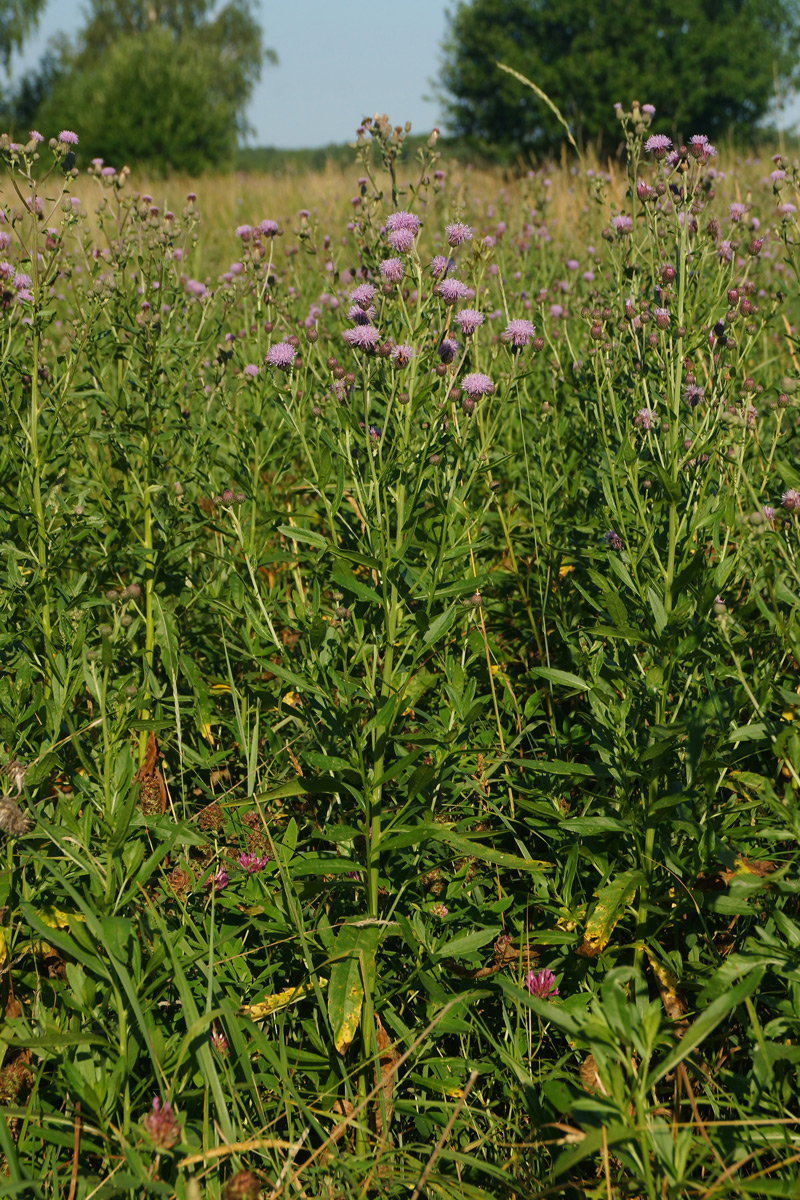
<point>476,385</point>
<point>68,138</point>
<point>662,317</point>
<point>362,295</point>
<point>613,540</point>
<point>441,265</point>
<point>649,109</point>
<point>469,319</point>
<point>361,316</point>
<point>195,288</point>
<point>725,251</point>
<point>572,264</point>
<point>518,332</point>
<point>700,147</point>
<point>36,137</point>
<point>622,223</point>
<point>448,349</point>
<point>269,228</point>
<point>401,240</point>
<point>281,355</point>
<point>244,232</point>
<point>768,512</point>
<point>658,144</point>
<point>252,863</point>
<point>250,371</point>
<point>644,419</point>
<point>401,355</point>
<point>541,984</point>
<point>362,337</point>
<point>402,220</point>
<point>21,281</point>
<point>693,394</point>
<point>452,290</point>
<point>737,210</point>
<point>458,232</point>
<point>161,1126</point>
<point>790,500</point>
<point>392,269</point>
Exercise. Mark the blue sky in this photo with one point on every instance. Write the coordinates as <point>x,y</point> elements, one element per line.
<point>340,60</point>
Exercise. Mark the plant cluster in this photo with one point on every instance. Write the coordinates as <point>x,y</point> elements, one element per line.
<point>399,705</point>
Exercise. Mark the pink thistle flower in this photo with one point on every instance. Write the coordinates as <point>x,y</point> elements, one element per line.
<point>68,138</point>
<point>392,269</point>
<point>36,137</point>
<point>403,220</point>
<point>448,349</point>
<point>401,355</point>
<point>161,1126</point>
<point>542,984</point>
<point>477,384</point>
<point>644,419</point>
<point>363,337</point>
<point>269,228</point>
<point>469,319</point>
<point>441,265</point>
<point>250,371</point>
<point>658,144</point>
<point>790,500</point>
<point>622,223</point>
<point>281,355</point>
<point>452,290</point>
<point>362,295</point>
<point>401,240</point>
<point>457,233</point>
<point>518,332</point>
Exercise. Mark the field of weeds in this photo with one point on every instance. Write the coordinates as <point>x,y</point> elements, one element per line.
<point>399,699</point>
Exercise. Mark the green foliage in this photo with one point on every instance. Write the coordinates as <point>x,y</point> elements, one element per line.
<point>412,782</point>
<point>709,66</point>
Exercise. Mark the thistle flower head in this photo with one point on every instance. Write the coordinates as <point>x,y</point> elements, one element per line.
<point>362,337</point>
<point>458,232</point>
<point>477,384</point>
<point>518,332</point>
<point>281,355</point>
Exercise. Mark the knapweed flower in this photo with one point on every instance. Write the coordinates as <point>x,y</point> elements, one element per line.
<point>68,138</point>
<point>477,384</point>
<point>613,540</point>
<point>281,355</point>
<point>252,863</point>
<point>458,232</point>
<point>644,418</point>
<point>469,319</point>
<point>622,223</point>
<point>363,295</point>
<point>452,290</point>
<point>790,500</point>
<point>441,265</point>
<point>518,332</point>
<point>402,220</point>
<point>250,371</point>
<point>448,349</point>
<point>362,337</point>
<point>220,880</point>
<point>541,984</point>
<point>401,240</point>
<point>161,1126</point>
<point>658,144</point>
<point>401,355</point>
<point>392,269</point>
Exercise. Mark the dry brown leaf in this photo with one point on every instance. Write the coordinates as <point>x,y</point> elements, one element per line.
<point>152,789</point>
<point>388,1058</point>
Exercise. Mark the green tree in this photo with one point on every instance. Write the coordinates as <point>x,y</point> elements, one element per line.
<point>165,86</point>
<point>708,66</point>
<point>18,18</point>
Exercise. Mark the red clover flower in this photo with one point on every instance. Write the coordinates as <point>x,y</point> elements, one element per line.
<point>542,984</point>
<point>161,1126</point>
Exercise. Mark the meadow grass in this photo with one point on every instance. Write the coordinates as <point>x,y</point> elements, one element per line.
<point>400,685</point>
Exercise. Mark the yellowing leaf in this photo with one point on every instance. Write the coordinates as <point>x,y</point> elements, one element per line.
<point>353,968</point>
<point>55,918</point>
<point>610,906</point>
<point>270,1004</point>
<point>205,731</point>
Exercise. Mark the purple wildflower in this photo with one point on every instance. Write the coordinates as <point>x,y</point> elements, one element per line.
<point>658,144</point>
<point>700,147</point>
<point>68,138</point>
<point>572,264</point>
<point>218,1041</point>
<point>458,232</point>
<point>220,880</point>
<point>693,394</point>
<point>541,984</point>
<point>402,220</point>
<point>401,240</point>
<point>452,290</point>
<point>250,371</point>
<point>281,355</point>
<point>644,419</point>
<point>36,137</point>
<point>613,540</point>
<point>361,316</point>
<point>649,109</point>
<point>252,863</point>
<point>768,512</point>
<point>790,500</point>
<point>448,349</point>
<point>469,319</point>
<point>401,355</point>
<point>476,385</point>
<point>362,295</point>
<point>245,232</point>
<point>392,269</point>
<point>662,318</point>
<point>441,265</point>
<point>737,210</point>
<point>269,228</point>
<point>622,223</point>
<point>161,1126</point>
<point>518,332</point>
<point>362,337</point>
<point>195,288</point>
